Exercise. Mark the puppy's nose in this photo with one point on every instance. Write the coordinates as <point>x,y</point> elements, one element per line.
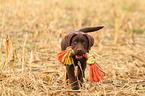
<point>79,50</point>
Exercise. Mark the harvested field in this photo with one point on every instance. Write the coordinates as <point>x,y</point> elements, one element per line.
<point>31,32</point>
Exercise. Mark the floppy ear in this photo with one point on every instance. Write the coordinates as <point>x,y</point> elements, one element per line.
<point>91,41</point>
<point>91,29</point>
<point>69,37</point>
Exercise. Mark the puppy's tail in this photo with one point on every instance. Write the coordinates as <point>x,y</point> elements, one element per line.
<point>91,29</point>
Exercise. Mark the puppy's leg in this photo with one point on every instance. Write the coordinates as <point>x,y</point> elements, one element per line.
<point>71,75</point>
<point>66,77</point>
<point>81,71</point>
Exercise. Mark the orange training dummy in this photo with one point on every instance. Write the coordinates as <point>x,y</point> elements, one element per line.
<point>65,57</point>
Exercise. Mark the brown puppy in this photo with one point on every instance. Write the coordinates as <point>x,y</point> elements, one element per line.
<point>81,43</point>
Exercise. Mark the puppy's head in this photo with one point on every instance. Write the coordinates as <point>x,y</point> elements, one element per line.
<point>81,41</point>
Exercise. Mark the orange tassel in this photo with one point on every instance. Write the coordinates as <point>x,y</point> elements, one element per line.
<point>95,75</point>
<point>60,56</point>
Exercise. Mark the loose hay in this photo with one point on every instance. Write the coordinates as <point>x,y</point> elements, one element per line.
<point>35,28</point>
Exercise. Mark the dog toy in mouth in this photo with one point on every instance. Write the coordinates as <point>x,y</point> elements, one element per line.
<point>65,57</point>
<point>94,73</point>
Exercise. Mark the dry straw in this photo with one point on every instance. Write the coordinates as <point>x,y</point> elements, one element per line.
<point>31,32</point>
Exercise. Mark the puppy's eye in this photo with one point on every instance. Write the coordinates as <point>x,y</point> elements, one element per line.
<point>84,42</point>
<point>75,42</point>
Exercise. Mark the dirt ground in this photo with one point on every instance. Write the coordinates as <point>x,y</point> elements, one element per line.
<point>31,32</point>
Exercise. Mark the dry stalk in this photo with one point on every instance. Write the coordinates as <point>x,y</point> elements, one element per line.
<point>11,54</point>
<point>30,62</point>
<point>23,57</point>
<point>45,22</point>
<point>116,34</point>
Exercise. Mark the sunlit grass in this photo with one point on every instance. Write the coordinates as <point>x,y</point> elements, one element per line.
<point>31,32</point>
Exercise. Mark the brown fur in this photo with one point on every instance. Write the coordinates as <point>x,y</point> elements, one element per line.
<point>81,43</point>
